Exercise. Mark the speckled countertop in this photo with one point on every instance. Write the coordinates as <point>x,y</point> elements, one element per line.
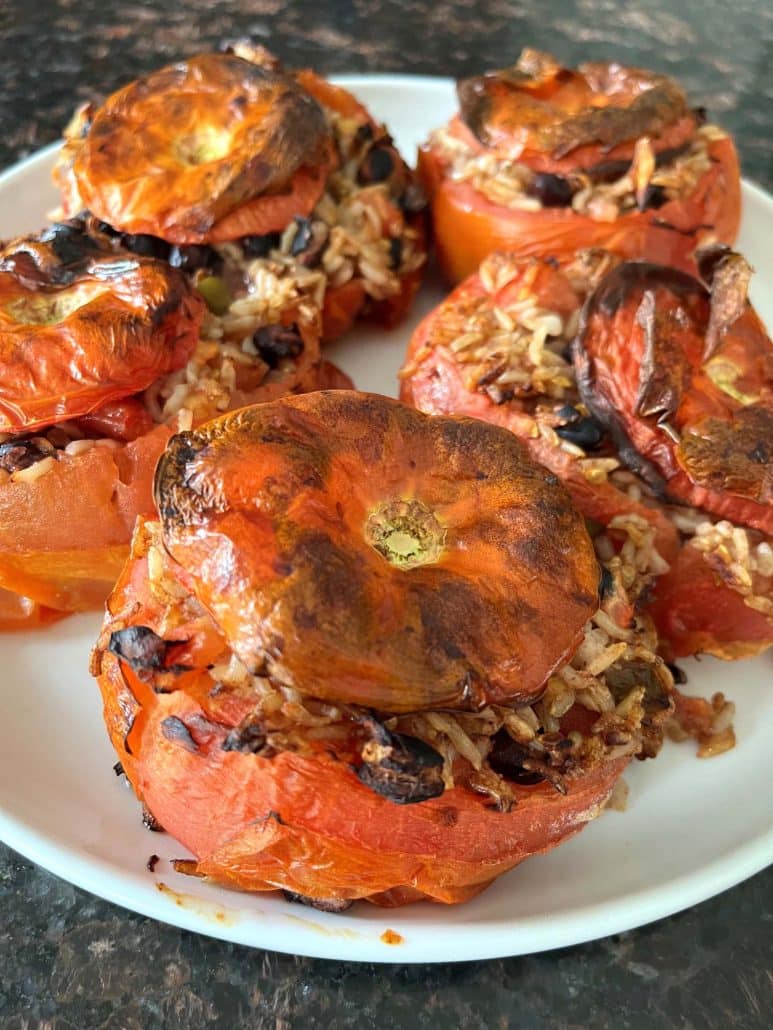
<point>68,960</point>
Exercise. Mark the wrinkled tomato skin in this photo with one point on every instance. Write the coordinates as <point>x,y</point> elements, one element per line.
<point>615,370</point>
<point>261,824</point>
<point>695,612</point>
<point>468,227</point>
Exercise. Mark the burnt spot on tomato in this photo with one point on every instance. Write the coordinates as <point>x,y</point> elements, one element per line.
<point>175,730</point>
<point>16,455</point>
<point>70,242</point>
<point>402,769</point>
<point>139,646</point>
<point>248,737</point>
<point>150,822</point>
<point>277,343</point>
<point>321,904</point>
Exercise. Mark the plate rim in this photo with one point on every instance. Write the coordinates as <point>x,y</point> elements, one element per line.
<point>132,892</point>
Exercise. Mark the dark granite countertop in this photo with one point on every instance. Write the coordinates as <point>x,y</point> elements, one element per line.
<point>68,960</point>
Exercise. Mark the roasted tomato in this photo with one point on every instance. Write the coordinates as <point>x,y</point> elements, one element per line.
<point>544,160</point>
<point>285,166</point>
<point>304,501</point>
<point>81,327</point>
<point>495,349</point>
<point>258,818</point>
<point>174,152</point>
<point>682,376</point>
<point>319,565</point>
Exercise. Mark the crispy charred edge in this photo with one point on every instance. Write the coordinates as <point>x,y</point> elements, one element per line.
<point>403,769</point>
<point>177,503</point>
<point>66,252</point>
<point>615,289</point>
<point>661,105</point>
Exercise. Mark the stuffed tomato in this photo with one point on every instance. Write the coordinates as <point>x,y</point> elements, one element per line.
<point>499,348</point>
<point>542,161</point>
<point>306,631</point>
<point>233,169</point>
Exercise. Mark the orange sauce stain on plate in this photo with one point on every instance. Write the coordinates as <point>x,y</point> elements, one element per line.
<point>391,937</point>
<point>205,909</point>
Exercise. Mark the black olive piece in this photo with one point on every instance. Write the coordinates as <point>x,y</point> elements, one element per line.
<point>69,241</point>
<point>139,647</point>
<point>377,165</point>
<point>552,190</point>
<point>248,737</point>
<point>569,413</point>
<point>701,114</point>
<point>414,199</point>
<point>193,257</point>
<point>584,432</point>
<point>512,760</point>
<point>152,862</point>
<point>260,246</point>
<point>395,252</point>
<point>16,455</point>
<point>118,769</point>
<point>680,676</point>
<point>303,235</point>
<point>654,197</point>
<point>606,582</point>
<point>146,246</point>
<point>274,343</point>
<point>321,904</point>
<point>410,772</point>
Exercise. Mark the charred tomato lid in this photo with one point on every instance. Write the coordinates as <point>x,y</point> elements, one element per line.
<point>359,551</point>
<point>176,150</point>
<point>538,107</point>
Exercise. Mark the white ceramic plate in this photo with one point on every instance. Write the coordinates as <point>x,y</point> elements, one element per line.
<point>692,828</point>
